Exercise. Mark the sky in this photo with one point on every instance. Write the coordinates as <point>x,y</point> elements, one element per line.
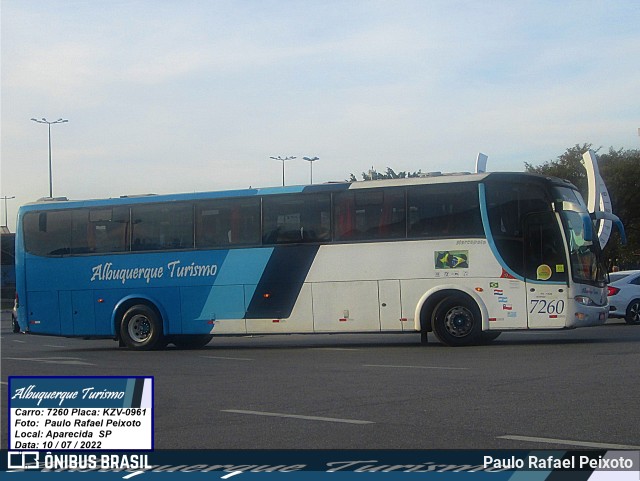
<point>197,95</point>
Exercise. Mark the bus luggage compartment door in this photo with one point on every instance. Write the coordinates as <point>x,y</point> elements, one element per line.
<point>77,313</point>
<point>43,314</point>
<point>349,306</point>
<point>390,308</point>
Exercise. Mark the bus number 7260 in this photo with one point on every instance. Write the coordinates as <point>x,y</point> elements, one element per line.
<point>542,306</point>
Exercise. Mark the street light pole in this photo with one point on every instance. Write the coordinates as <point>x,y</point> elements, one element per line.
<point>5,198</point>
<point>45,121</point>
<point>311,160</point>
<point>282,159</point>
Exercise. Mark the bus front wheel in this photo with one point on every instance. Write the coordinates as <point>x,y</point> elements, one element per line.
<point>456,321</point>
<point>141,328</point>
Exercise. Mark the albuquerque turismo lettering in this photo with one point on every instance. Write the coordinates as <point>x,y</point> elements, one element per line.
<point>31,392</point>
<point>174,269</point>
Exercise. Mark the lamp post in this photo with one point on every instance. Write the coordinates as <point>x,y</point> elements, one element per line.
<point>5,198</point>
<point>45,121</point>
<point>311,160</point>
<point>282,159</point>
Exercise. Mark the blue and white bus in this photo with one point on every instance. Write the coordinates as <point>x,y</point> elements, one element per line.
<point>461,256</point>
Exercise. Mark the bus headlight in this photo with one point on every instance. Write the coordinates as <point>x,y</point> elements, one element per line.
<point>584,300</point>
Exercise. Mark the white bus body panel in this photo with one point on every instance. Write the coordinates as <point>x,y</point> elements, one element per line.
<point>373,287</point>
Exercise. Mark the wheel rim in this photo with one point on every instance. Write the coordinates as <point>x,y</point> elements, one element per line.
<point>139,328</point>
<point>634,310</point>
<point>459,321</point>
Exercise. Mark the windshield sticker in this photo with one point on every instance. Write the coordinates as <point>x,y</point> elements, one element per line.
<point>451,259</point>
<point>543,273</point>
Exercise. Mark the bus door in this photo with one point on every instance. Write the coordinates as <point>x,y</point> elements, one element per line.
<point>77,314</point>
<point>546,271</point>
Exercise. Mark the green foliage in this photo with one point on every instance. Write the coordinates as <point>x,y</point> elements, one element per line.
<point>620,170</point>
<point>390,174</point>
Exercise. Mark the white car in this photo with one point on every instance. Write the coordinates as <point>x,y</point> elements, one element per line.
<point>624,296</point>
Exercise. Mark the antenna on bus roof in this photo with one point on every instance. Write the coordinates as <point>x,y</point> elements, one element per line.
<point>481,163</point>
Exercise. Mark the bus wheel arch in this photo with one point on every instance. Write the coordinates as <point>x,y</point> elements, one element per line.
<point>139,325</point>
<point>455,317</point>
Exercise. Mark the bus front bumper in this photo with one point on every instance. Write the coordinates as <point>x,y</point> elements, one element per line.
<point>585,316</point>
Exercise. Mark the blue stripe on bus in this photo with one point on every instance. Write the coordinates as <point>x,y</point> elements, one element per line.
<point>235,284</point>
<point>487,232</point>
<point>279,287</point>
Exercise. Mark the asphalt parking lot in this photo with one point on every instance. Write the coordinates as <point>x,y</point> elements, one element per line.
<point>528,390</point>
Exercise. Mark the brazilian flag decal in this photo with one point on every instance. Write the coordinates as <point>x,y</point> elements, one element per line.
<point>452,259</point>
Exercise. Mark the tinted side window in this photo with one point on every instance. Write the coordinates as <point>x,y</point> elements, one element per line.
<point>544,250</point>
<point>48,233</point>
<point>296,218</point>
<point>370,214</point>
<point>444,210</point>
<point>162,227</point>
<point>227,222</point>
<point>104,230</point>
<point>508,205</point>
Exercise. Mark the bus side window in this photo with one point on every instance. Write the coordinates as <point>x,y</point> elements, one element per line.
<point>444,210</point>
<point>508,206</point>
<point>296,219</point>
<point>162,226</point>
<point>370,214</point>
<point>544,247</point>
<point>344,216</point>
<point>107,230</point>
<point>228,222</point>
<point>48,233</point>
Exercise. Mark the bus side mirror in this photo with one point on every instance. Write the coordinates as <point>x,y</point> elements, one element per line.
<point>616,220</point>
<point>587,228</point>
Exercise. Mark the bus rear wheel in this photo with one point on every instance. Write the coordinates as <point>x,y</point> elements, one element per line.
<point>141,328</point>
<point>456,321</point>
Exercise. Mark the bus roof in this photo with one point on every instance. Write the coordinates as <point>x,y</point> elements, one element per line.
<point>429,178</point>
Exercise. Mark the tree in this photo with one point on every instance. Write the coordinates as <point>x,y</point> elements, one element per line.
<point>620,170</point>
<point>390,174</point>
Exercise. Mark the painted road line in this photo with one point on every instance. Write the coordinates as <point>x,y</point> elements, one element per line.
<point>229,358</point>
<point>297,416</point>
<point>569,442</point>
<point>333,349</point>
<point>53,360</point>
<point>417,367</point>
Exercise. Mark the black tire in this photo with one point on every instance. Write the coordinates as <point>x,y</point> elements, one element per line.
<point>633,312</point>
<point>141,328</point>
<point>456,321</point>
<point>192,341</point>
